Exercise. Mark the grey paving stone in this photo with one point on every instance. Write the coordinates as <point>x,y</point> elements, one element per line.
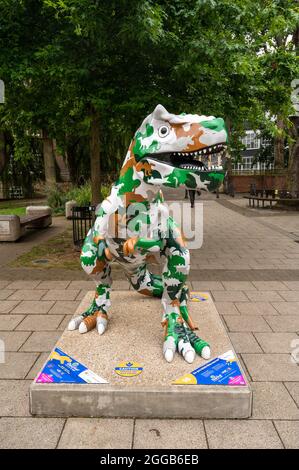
<point>276,342</point>
<point>269,285</point>
<point>30,433</point>
<point>34,306</point>
<point>264,296</point>
<point>6,306</point>
<point>97,433</point>
<point>22,285</point>
<point>252,434</point>
<point>242,323</point>
<point>239,285</point>
<point>9,322</point>
<point>41,341</point>
<point>3,284</point>
<point>271,367</point>
<point>289,433</point>
<point>256,308</point>
<point>64,323</point>
<point>5,293</point>
<point>40,322</point>
<point>232,296</point>
<point>86,285</point>
<point>64,307</point>
<point>204,286</point>
<point>13,340</point>
<point>53,285</point>
<point>226,308</point>
<point>290,295</point>
<point>35,369</point>
<point>271,400</point>
<point>293,285</point>
<point>23,294</point>
<point>14,397</point>
<point>244,342</point>
<point>287,308</point>
<point>17,365</point>
<point>283,323</point>
<point>293,388</point>
<point>61,294</point>
<point>168,434</point>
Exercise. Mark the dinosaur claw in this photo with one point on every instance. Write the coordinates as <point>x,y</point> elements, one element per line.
<point>101,328</point>
<point>82,328</point>
<point>74,323</point>
<point>206,352</point>
<point>169,355</point>
<point>189,356</point>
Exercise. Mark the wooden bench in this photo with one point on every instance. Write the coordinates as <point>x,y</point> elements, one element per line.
<point>252,199</point>
<point>12,227</point>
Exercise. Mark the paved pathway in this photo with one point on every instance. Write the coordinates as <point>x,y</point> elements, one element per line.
<point>252,272</point>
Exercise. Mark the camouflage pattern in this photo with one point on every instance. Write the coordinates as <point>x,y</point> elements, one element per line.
<point>133,222</point>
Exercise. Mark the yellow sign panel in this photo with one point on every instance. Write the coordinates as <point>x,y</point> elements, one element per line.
<point>128,369</point>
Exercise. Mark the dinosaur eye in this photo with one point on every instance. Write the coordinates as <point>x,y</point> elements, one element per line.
<point>163,131</point>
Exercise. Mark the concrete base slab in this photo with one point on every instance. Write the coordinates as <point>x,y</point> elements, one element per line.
<point>135,334</point>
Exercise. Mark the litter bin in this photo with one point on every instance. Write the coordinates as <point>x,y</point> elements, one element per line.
<point>83,218</point>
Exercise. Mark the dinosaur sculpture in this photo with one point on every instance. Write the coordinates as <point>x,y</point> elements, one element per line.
<point>133,222</point>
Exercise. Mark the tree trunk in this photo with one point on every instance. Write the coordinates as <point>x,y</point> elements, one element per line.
<point>292,181</point>
<point>49,159</point>
<point>3,154</point>
<point>279,146</point>
<point>95,162</point>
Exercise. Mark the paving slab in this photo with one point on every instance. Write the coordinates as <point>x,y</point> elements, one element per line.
<point>287,308</point>
<point>289,433</point>
<point>232,434</point>
<point>62,294</point>
<point>41,341</point>
<point>97,433</point>
<point>14,397</point>
<point>64,307</point>
<point>17,365</point>
<point>283,323</point>
<point>9,322</point>
<point>276,342</point>
<point>150,394</point>
<point>293,388</point>
<point>226,308</point>
<point>33,306</point>
<point>30,433</point>
<point>22,285</point>
<point>169,434</point>
<point>255,308</point>
<point>5,293</point>
<point>27,294</point>
<point>53,285</point>
<point>271,400</point>
<point>40,322</point>
<point>13,340</point>
<point>271,367</point>
<point>240,323</point>
<point>6,306</point>
<point>245,342</point>
<point>36,367</point>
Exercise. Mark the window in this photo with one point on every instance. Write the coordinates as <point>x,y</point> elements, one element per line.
<point>251,140</point>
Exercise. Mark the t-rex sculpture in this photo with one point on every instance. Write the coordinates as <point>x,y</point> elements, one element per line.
<point>134,221</point>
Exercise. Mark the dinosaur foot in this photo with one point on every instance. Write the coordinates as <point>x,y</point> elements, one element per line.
<point>97,320</point>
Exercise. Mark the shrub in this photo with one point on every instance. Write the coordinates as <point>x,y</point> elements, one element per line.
<point>57,196</point>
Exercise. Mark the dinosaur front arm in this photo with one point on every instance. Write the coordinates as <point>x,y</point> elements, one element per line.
<point>146,244</point>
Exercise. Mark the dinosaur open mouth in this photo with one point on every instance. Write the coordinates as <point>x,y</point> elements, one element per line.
<point>202,159</point>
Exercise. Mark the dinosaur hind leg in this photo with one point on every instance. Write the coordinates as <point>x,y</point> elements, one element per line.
<point>145,282</point>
